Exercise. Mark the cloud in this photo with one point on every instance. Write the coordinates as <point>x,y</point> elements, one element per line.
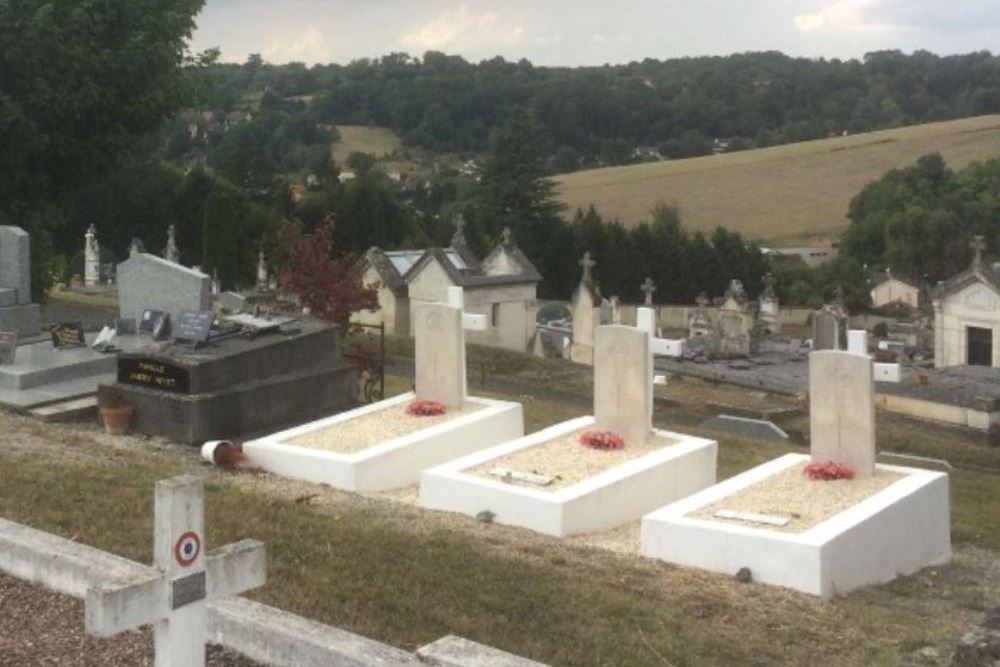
<point>463,29</point>
<point>307,46</point>
<point>853,15</point>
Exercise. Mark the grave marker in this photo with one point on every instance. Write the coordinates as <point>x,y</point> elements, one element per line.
<point>149,320</point>
<point>8,346</point>
<point>623,382</point>
<point>173,601</point>
<point>194,326</point>
<point>67,334</point>
<point>842,410</point>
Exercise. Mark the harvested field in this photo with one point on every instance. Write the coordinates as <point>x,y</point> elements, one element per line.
<point>785,193</point>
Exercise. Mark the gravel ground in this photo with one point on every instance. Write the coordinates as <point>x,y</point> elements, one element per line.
<point>39,627</point>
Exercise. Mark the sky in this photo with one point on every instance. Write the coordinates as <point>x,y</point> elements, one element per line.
<point>590,32</point>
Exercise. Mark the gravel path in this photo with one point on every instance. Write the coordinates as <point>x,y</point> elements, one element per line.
<point>39,627</point>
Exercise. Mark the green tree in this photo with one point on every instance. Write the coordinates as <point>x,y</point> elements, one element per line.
<point>81,81</point>
<point>223,236</point>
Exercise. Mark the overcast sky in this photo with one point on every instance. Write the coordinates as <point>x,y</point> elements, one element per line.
<point>587,32</point>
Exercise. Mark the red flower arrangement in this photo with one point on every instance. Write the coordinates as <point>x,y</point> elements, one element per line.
<point>424,408</point>
<point>825,472</point>
<point>602,440</point>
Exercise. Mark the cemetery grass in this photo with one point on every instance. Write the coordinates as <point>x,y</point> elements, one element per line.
<point>406,576</point>
<point>784,193</point>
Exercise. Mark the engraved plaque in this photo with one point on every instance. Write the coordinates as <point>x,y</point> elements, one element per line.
<point>187,589</point>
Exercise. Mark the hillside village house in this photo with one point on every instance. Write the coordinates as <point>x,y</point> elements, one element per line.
<point>890,289</point>
<point>503,286</point>
<point>967,315</point>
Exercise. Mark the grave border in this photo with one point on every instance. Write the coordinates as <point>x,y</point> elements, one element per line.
<point>392,463</point>
<point>611,498</point>
<point>897,531</point>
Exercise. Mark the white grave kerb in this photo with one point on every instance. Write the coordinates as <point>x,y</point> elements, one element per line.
<point>173,600</point>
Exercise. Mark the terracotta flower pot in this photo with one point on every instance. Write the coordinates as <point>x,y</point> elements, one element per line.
<point>116,420</point>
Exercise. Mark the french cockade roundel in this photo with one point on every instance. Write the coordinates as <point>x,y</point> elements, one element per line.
<point>187,548</point>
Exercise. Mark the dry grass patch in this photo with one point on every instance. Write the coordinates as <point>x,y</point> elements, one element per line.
<point>379,141</point>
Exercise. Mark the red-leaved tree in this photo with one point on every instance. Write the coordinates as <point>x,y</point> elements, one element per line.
<point>332,289</point>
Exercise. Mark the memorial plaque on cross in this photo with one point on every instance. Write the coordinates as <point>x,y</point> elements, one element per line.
<point>173,599</point>
<point>842,410</point>
<point>623,385</point>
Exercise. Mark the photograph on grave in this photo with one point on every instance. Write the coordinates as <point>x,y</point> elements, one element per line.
<point>67,334</point>
<point>589,473</point>
<point>386,444</point>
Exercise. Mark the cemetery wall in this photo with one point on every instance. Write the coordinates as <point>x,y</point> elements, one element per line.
<point>676,316</point>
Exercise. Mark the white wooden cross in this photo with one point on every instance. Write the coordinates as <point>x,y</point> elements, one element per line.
<point>173,599</point>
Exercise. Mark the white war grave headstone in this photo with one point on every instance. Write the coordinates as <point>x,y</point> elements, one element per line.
<point>439,333</point>
<point>623,382</point>
<point>842,410</point>
<point>174,600</point>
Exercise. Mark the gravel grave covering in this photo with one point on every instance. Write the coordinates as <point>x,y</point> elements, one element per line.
<point>567,460</point>
<point>368,430</point>
<point>790,494</point>
<point>39,627</point>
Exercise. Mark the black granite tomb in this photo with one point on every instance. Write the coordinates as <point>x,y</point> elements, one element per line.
<point>238,386</point>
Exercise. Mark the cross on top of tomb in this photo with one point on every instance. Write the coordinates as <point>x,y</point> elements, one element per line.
<point>173,600</point>
<point>506,236</point>
<point>978,246</point>
<point>702,300</point>
<point>768,281</point>
<point>588,265</point>
<point>648,288</point>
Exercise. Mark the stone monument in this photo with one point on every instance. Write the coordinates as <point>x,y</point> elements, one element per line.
<point>586,313</point>
<point>842,410</point>
<point>735,323</point>
<point>91,258</point>
<point>829,328</point>
<point>172,253</point>
<point>769,312</point>
<point>148,282</point>
<point>623,388</point>
<point>648,288</point>
<point>263,280</point>
<point>17,312</point>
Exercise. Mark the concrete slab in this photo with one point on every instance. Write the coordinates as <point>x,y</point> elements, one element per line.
<point>24,399</point>
<point>71,410</point>
<point>452,651</point>
<point>744,427</point>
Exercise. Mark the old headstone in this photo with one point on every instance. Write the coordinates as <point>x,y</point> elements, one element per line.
<point>17,313</point>
<point>585,302</point>
<point>149,282</point>
<point>648,288</point>
<point>623,388</point>
<point>174,601</point>
<point>842,410</point>
<point>829,329</point>
<point>769,313</point>
<point>91,257</point>
<point>263,280</point>
<point>8,346</point>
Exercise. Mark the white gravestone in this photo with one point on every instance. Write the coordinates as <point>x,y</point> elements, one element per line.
<point>842,410</point>
<point>888,373</point>
<point>439,331</point>
<point>645,320</point>
<point>623,382</point>
<point>174,601</point>
<point>857,341</point>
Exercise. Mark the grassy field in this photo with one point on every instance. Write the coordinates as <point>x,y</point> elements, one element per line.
<point>379,141</point>
<point>783,194</point>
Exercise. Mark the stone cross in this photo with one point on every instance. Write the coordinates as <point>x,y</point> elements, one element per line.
<point>648,288</point>
<point>173,599</point>
<point>439,332</point>
<point>768,281</point>
<point>588,265</point>
<point>263,280</point>
<point>91,258</point>
<point>842,410</point>
<point>978,246</point>
<point>702,300</point>
<point>172,253</point>
<point>623,387</point>
<point>507,237</point>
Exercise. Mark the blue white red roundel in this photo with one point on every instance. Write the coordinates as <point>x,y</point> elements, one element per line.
<point>187,548</point>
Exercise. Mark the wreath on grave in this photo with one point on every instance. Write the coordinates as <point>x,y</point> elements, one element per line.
<point>827,472</point>
<point>606,440</point>
<point>425,408</point>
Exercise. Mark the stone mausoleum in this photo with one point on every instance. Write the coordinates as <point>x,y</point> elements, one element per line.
<point>967,315</point>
